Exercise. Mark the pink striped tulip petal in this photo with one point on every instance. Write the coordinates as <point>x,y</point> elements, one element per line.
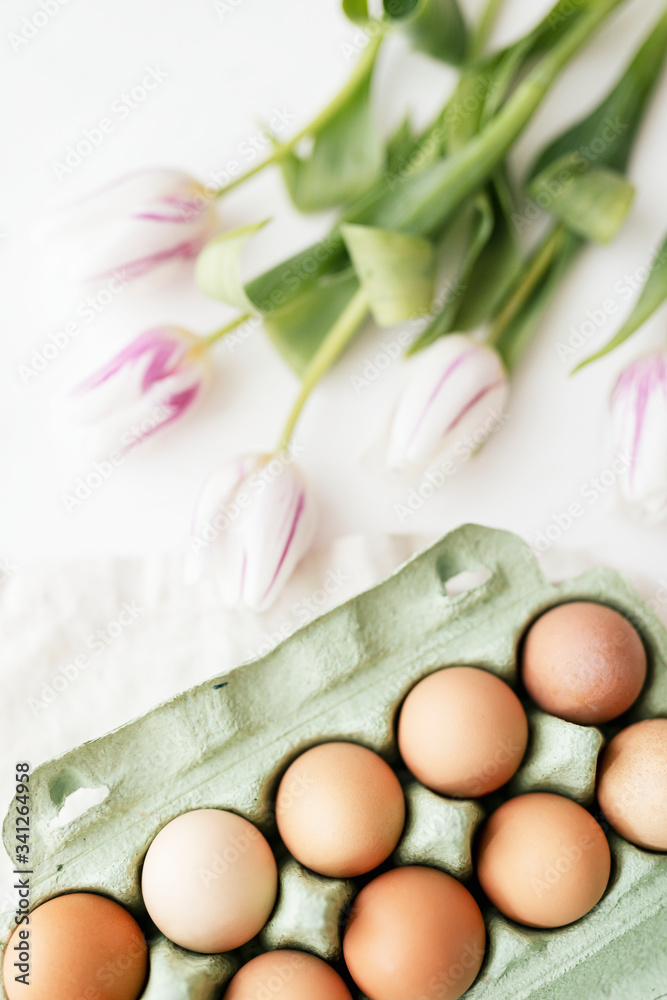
<point>639,427</point>
<point>130,227</point>
<point>254,522</point>
<point>455,391</point>
<point>142,389</point>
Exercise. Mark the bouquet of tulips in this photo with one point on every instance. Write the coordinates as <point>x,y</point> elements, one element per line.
<point>401,202</point>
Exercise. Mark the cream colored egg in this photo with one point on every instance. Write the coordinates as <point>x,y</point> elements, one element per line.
<point>209,880</point>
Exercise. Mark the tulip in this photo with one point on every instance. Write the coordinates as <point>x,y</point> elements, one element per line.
<point>142,389</point>
<point>253,523</point>
<point>130,227</point>
<point>639,428</point>
<point>455,392</point>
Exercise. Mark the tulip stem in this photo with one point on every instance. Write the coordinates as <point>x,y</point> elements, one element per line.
<point>212,338</point>
<point>332,346</point>
<point>284,149</point>
<point>535,271</point>
<point>485,26</point>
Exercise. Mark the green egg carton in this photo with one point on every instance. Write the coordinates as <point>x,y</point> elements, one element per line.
<point>226,743</point>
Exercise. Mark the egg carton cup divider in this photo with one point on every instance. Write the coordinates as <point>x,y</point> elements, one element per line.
<point>225,744</point>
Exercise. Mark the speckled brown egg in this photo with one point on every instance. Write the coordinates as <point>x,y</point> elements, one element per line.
<point>543,860</point>
<point>632,784</point>
<point>583,662</point>
<point>340,809</point>
<point>462,731</point>
<point>287,975</point>
<point>79,945</point>
<point>414,933</point>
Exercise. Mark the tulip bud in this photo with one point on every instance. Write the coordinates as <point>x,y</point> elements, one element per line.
<point>253,523</point>
<point>130,227</point>
<point>143,388</point>
<point>455,392</point>
<point>639,427</point>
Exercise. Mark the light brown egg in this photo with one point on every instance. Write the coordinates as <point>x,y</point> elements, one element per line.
<point>340,809</point>
<point>209,880</point>
<point>462,731</point>
<point>414,934</point>
<point>632,784</point>
<point>287,975</point>
<point>583,662</point>
<point>543,860</point>
<point>78,945</point>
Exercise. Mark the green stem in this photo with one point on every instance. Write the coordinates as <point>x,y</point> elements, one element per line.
<point>329,350</point>
<point>530,278</point>
<point>212,338</point>
<point>283,150</point>
<point>484,28</point>
<point>428,199</point>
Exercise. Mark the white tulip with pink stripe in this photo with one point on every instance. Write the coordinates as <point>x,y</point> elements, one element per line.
<point>455,391</point>
<point>144,388</point>
<point>253,523</point>
<point>639,426</point>
<point>130,227</point>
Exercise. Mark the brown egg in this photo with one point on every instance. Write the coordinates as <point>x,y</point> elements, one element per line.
<point>209,880</point>
<point>288,975</point>
<point>583,662</point>
<point>543,860</point>
<point>462,731</point>
<point>79,945</point>
<point>340,809</point>
<point>632,784</point>
<point>414,934</point>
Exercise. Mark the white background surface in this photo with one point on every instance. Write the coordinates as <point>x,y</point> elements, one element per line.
<point>226,71</point>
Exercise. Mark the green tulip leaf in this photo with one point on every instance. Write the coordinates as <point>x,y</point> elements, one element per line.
<point>356,10</point>
<point>606,136</point>
<point>591,201</point>
<point>396,271</point>
<point>435,27</point>
<point>218,267</point>
<point>347,152</point>
<point>298,329</point>
<point>653,295</point>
